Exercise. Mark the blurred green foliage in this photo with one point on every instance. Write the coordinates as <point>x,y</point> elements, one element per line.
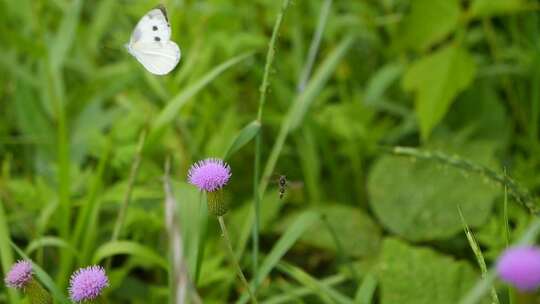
<point>458,76</point>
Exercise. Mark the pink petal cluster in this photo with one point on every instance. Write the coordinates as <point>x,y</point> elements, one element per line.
<point>210,174</point>
<point>19,275</point>
<point>520,266</point>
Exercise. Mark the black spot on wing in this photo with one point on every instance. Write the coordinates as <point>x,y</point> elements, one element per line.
<point>157,38</point>
<point>154,28</point>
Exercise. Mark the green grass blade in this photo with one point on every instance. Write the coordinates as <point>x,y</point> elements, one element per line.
<point>299,292</point>
<point>478,254</point>
<point>506,223</point>
<point>270,55</point>
<point>285,242</point>
<point>243,138</point>
<point>301,104</point>
<point>366,290</point>
<point>326,293</point>
<point>304,101</point>
<point>6,255</point>
<point>476,294</point>
<point>44,278</point>
<point>315,44</point>
<point>111,249</point>
<point>49,241</point>
<point>168,114</point>
<point>65,34</point>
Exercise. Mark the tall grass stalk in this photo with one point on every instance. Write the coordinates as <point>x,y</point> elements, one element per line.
<point>478,254</point>
<point>506,223</point>
<point>258,139</point>
<point>230,250</point>
<point>127,196</point>
<point>180,283</point>
<point>476,294</point>
<point>55,92</point>
<point>519,193</point>
<point>300,105</point>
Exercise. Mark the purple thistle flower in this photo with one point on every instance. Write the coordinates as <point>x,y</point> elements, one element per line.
<point>19,275</point>
<point>86,284</point>
<point>210,174</point>
<point>520,266</point>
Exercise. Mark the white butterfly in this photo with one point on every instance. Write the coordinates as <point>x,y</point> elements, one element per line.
<point>150,43</point>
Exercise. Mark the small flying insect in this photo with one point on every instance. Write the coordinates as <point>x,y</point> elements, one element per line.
<point>284,184</point>
<point>282,181</point>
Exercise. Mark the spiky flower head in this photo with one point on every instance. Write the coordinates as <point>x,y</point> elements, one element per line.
<point>520,266</point>
<point>87,284</point>
<point>210,174</point>
<point>20,275</point>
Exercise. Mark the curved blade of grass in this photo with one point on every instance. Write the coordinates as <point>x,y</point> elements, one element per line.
<point>270,55</point>
<point>315,44</point>
<point>170,111</point>
<point>287,240</point>
<point>49,241</point>
<point>477,293</point>
<point>65,34</point>
<point>299,292</point>
<point>43,277</point>
<point>478,254</point>
<point>244,137</point>
<point>326,293</point>
<point>129,248</point>
<point>6,255</point>
<point>366,291</point>
<point>301,104</point>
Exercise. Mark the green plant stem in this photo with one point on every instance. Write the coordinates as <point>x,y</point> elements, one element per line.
<point>483,285</point>
<point>518,193</point>
<point>127,197</point>
<point>233,258</point>
<point>258,139</point>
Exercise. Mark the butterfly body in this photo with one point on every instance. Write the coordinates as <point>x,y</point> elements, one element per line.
<point>150,43</point>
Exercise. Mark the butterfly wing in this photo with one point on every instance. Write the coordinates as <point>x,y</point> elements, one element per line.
<point>150,43</point>
<point>157,57</point>
<point>154,26</point>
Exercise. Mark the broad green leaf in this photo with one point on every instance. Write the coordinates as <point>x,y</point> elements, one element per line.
<point>411,275</point>
<point>437,79</point>
<point>130,248</point>
<point>355,230</point>
<point>489,8</point>
<point>418,199</point>
<point>245,136</point>
<point>428,22</point>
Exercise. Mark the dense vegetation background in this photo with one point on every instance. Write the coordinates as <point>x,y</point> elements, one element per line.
<point>358,224</point>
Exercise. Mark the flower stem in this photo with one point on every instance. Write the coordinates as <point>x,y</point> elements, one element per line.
<point>37,294</point>
<point>233,258</point>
